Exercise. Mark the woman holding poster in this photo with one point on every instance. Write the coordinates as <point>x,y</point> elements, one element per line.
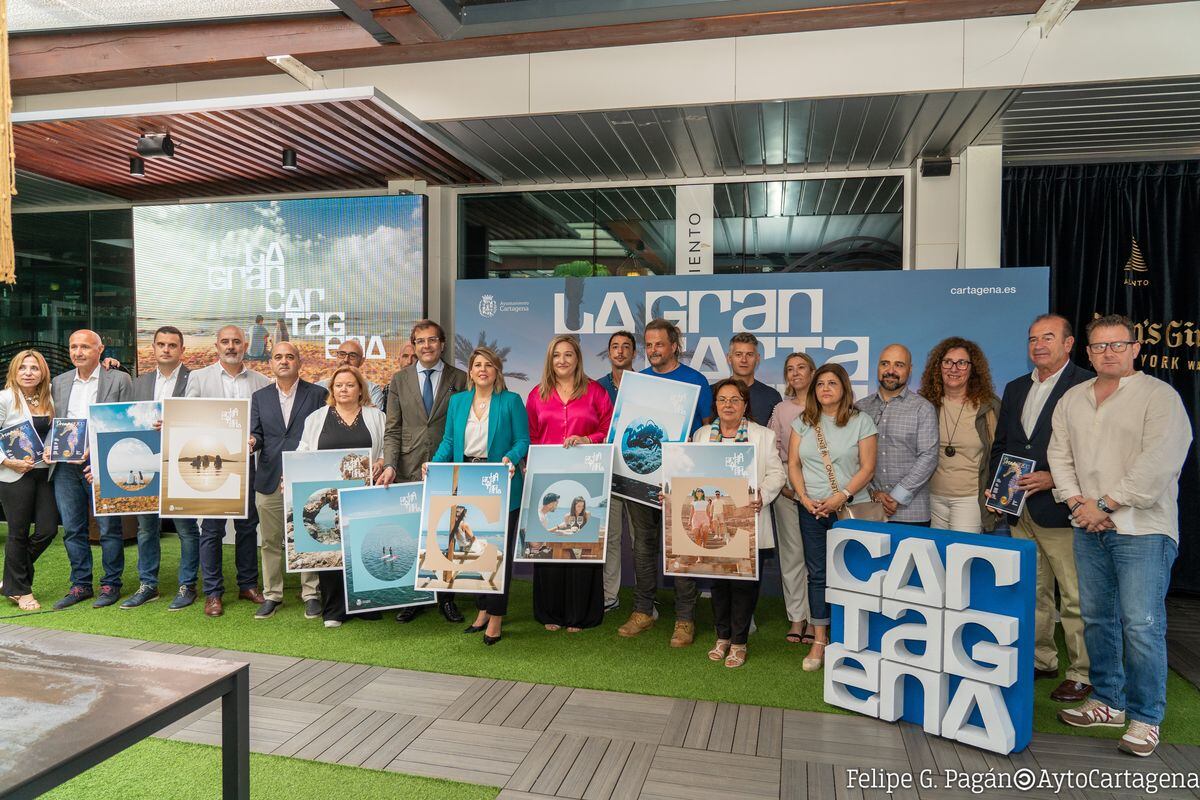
<point>733,600</point>
<point>831,459</point>
<point>25,490</point>
<point>568,408</point>
<point>487,423</point>
<point>348,421</point>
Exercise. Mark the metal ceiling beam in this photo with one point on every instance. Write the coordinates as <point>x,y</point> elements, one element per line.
<point>365,20</point>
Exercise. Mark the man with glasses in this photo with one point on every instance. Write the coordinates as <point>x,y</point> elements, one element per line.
<point>350,353</point>
<point>1118,444</point>
<point>1023,430</point>
<point>416,419</point>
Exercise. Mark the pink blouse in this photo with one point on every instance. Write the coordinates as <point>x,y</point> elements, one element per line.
<point>781,422</point>
<point>551,421</point>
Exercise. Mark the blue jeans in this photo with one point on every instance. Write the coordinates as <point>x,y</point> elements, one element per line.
<point>72,493</point>
<point>245,553</point>
<point>1123,583</point>
<point>813,532</point>
<point>150,549</point>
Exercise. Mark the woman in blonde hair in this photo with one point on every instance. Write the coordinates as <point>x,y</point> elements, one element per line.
<point>25,490</point>
<point>568,408</point>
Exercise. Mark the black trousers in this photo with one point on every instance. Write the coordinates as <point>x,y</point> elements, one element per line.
<point>496,605</point>
<point>733,605</point>
<point>27,501</point>
<point>332,583</point>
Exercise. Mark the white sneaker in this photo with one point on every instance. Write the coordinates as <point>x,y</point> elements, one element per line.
<point>1140,740</point>
<point>1092,714</point>
<point>333,623</point>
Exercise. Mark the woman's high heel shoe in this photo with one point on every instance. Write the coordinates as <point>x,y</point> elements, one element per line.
<point>490,640</point>
<point>475,628</point>
<point>815,658</point>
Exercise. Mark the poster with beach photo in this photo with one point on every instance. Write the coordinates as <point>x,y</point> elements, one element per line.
<point>649,412</point>
<point>564,504</point>
<point>464,521</point>
<point>312,531</point>
<point>381,531</point>
<point>205,457</point>
<point>710,529</point>
<point>126,457</point>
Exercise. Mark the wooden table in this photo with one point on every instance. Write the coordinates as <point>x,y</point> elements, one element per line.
<point>67,709</point>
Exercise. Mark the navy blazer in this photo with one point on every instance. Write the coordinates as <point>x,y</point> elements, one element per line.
<point>508,434</point>
<point>271,436</point>
<point>1011,439</point>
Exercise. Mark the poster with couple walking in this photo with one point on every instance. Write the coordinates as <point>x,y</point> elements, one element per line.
<point>464,525</point>
<point>125,453</point>
<point>205,458</point>
<point>312,528</point>
<point>381,532</point>
<point>564,504</point>
<point>710,529</point>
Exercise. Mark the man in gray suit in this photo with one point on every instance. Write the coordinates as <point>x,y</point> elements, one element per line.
<point>229,378</point>
<point>168,379</point>
<point>416,419</point>
<point>74,391</point>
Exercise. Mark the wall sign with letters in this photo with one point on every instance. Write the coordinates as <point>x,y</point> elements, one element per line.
<point>935,628</point>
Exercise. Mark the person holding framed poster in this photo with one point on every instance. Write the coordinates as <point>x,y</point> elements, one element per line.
<point>734,599</point>
<point>488,423</point>
<point>347,421</point>
<point>568,408</point>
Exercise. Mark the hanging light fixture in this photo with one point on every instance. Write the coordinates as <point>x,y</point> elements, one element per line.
<point>289,158</point>
<point>137,167</point>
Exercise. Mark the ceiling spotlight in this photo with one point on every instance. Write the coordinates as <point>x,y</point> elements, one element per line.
<point>289,158</point>
<point>137,167</point>
<point>155,145</point>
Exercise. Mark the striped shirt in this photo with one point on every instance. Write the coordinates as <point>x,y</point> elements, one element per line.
<point>908,451</point>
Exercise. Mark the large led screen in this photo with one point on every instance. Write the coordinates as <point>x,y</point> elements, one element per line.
<point>312,272</point>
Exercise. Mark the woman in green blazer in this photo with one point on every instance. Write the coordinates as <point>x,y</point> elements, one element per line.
<point>488,423</point>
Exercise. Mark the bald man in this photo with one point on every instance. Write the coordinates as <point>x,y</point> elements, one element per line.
<point>350,353</point>
<point>73,392</point>
<point>277,415</point>
<point>908,440</point>
<point>229,378</point>
<point>408,355</point>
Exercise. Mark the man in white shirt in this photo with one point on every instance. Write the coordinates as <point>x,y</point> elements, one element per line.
<point>1023,429</point>
<point>1118,446</point>
<point>168,379</point>
<point>74,392</point>
<point>229,378</point>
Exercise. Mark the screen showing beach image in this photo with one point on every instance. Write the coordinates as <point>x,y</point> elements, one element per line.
<point>311,272</point>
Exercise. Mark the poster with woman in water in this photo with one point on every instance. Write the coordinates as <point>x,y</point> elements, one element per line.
<point>564,506</point>
<point>205,458</point>
<point>312,531</point>
<point>381,530</point>
<point>126,454</point>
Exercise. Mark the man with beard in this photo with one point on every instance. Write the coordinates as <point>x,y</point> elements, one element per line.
<point>229,378</point>
<point>908,440</point>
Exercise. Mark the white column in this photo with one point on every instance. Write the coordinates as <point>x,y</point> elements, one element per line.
<point>980,170</point>
<point>934,217</point>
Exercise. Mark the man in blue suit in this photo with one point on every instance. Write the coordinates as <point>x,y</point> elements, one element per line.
<point>277,415</point>
<point>1023,429</point>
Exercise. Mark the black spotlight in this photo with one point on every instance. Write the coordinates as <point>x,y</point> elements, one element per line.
<point>137,167</point>
<point>289,158</point>
<point>155,145</point>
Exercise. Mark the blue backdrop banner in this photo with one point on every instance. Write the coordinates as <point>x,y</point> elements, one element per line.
<point>846,317</point>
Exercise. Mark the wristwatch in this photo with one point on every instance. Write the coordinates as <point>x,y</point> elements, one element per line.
<point>849,495</point>
<point>1105,507</point>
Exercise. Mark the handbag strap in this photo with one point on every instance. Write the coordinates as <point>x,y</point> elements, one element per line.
<point>823,449</point>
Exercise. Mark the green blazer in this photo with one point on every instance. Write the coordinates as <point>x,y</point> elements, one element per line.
<point>508,434</point>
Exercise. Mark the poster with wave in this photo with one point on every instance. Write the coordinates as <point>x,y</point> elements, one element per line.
<point>205,458</point>
<point>312,531</point>
<point>649,411</point>
<point>126,448</point>
<point>381,533</point>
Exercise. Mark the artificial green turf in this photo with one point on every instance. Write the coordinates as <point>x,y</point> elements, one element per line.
<point>166,770</point>
<point>593,659</point>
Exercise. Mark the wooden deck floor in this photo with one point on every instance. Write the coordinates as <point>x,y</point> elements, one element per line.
<point>537,742</point>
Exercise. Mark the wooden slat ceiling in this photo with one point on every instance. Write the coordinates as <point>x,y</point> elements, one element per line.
<point>355,142</point>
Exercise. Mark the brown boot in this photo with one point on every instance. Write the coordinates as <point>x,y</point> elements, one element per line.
<point>213,606</point>
<point>636,623</point>
<point>684,633</point>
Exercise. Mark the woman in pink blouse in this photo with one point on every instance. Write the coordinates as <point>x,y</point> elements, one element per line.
<point>568,408</point>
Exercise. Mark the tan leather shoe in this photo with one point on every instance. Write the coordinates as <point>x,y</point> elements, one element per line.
<point>213,606</point>
<point>685,633</point>
<point>252,594</point>
<point>636,623</point>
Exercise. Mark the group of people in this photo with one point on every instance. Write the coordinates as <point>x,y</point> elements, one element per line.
<point>1101,503</point>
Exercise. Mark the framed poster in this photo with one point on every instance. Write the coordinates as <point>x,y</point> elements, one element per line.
<point>312,531</point>
<point>464,536</point>
<point>68,440</point>
<point>649,411</point>
<point>381,532</point>
<point>710,529</point>
<point>564,504</point>
<point>206,458</point>
<point>126,457</point>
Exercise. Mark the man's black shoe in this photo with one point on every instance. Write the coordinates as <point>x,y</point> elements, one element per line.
<point>451,612</point>
<point>406,615</point>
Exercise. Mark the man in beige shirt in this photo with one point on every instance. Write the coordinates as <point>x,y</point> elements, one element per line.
<point>1118,446</point>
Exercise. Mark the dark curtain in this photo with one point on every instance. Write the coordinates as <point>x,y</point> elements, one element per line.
<point>1123,238</point>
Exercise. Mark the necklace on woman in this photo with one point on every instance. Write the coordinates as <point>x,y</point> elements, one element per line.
<point>32,402</point>
<point>949,448</point>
